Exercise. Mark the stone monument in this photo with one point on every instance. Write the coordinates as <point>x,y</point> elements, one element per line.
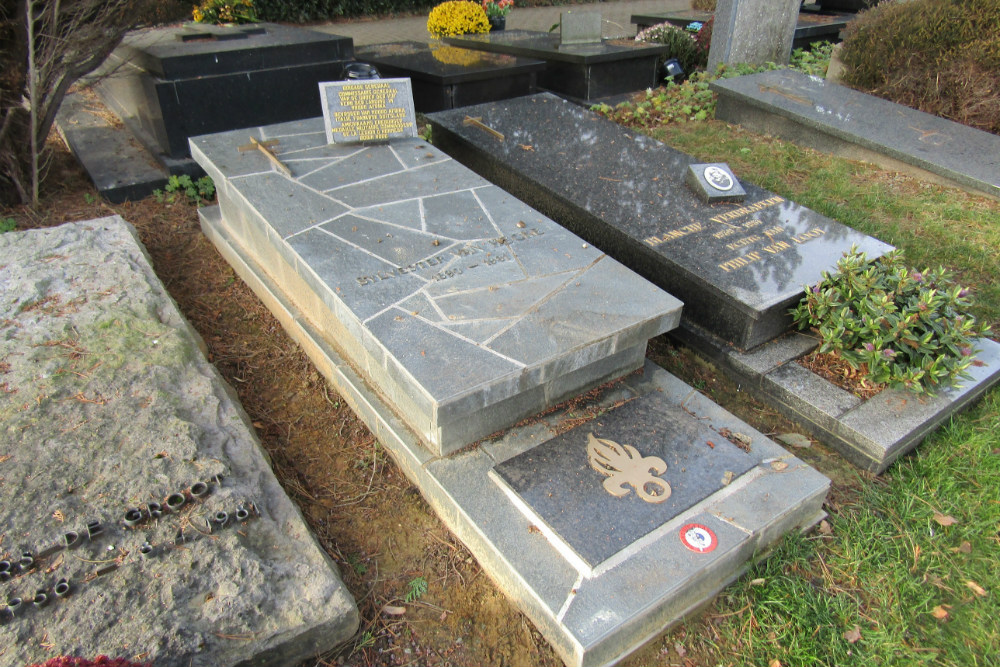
<point>753,31</point>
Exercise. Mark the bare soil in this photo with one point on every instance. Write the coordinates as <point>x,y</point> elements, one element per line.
<point>365,513</point>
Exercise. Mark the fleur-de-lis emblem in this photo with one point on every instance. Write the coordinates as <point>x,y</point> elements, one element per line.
<point>624,465</point>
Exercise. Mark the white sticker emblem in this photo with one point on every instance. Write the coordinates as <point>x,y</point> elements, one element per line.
<point>697,537</point>
<point>718,178</point>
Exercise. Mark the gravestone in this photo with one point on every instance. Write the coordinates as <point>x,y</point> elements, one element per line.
<point>752,31</point>
<point>829,117</point>
<point>584,72</point>
<point>738,267</point>
<point>465,308</point>
<point>168,84</point>
<point>447,77</point>
<point>140,514</point>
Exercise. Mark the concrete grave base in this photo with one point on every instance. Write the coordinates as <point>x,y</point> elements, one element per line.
<point>870,433</point>
<point>140,515</point>
<point>597,609</point>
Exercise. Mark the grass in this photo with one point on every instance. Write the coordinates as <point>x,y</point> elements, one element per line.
<point>905,572</point>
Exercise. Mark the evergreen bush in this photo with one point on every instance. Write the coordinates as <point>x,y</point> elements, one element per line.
<point>303,11</point>
<point>939,56</point>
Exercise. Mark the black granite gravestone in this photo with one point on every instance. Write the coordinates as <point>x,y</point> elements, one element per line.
<point>738,267</point>
<point>168,84</point>
<point>582,71</point>
<point>446,77</point>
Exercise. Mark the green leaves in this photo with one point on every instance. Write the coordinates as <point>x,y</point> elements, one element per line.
<point>906,328</point>
<point>416,589</point>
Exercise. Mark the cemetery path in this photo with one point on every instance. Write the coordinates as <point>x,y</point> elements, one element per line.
<point>365,513</point>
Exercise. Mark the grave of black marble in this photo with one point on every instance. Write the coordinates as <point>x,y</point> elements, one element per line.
<point>372,110</point>
<point>583,72</point>
<point>829,117</point>
<point>168,84</point>
<point>447,77</point>
<point>738,267</point>
<point>465,308</point>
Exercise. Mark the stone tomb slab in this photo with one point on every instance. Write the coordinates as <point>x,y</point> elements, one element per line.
<point>108,404</point>
<point>829,117</point>
<point>581,71</point>
<point>810,26</point>
<point>738,267</point>
<point>447,77</point>
<point>589,621</point>
<point>558,483</point>
<point>466,309</point>
<point>169,84</point>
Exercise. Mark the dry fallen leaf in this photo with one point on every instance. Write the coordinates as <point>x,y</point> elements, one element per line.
<point>853,635</point>
<point>679,647</point>
<point>774,663</point>
<point>940,612</point>
<point>965,548</point>
<point>727,477</point>
<point>757,582</point>
<point>944,519</point>
<point>779,465</point>
<point>392,610</point>
<point>825,528</point>
<point>976,588</point>
<point>794,440</point>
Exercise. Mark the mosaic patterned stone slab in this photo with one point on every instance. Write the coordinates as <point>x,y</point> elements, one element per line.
<point>463,307</point>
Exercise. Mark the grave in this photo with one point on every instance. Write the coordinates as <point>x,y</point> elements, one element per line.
<point>446,77</point>
<point>810,27</point>
<point>584,72</point>
<point>835,119</point>
<point>465,308</point>
<point>140,514</point>
<point>738,266</point>
<point>402,274</point>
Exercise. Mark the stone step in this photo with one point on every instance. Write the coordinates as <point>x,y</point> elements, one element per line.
<point>465,309</point>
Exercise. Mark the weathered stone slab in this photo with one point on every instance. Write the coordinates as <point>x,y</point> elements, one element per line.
<point>649,585</point>
<point>109,405</point>
<point>447,77</point>
<point>829,117</point>
<point>466,309</point>
<point>870,433</point>
<point>737,267</point>
<point>582,71</point>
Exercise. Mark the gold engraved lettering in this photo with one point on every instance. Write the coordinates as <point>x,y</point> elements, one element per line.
<point>771,231</point>
<point>745,241</point>
<point>775,248</point>
<point>750,224</point>
<point>723,233</point>
<point>367,113</point>
<point>675,234</point>
<point>747,210</point>
<point>623,465</point>
<point>805,237</point>
<point>740,262</point>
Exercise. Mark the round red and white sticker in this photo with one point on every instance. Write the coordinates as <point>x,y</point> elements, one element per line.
<point>697,537</point>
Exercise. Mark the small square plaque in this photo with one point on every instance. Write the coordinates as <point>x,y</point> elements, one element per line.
<point>714,182</point>
<point>367,110</point>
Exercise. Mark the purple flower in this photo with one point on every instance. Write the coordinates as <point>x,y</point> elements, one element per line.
<point>916,277</point>
<point>888,354</point>
<point>962,293</point>
<point>816,288</point>
<point>869,347</point>
<point>966,351</point>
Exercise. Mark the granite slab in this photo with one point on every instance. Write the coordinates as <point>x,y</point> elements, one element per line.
<point>447,77</point>
<point>829,117</point>
<point>466,309</point>
<point>870,433</point>
<point>583,72</point>
<point>738,267</point>
<point>589,620</point>
<point>140,514</point>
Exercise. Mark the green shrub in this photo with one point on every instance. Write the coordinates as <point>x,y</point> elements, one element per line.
<point>680,42</point>
<point>905,328</point>
<point>939,56</point>
<point>7,225</point>
<point>302,11</point>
